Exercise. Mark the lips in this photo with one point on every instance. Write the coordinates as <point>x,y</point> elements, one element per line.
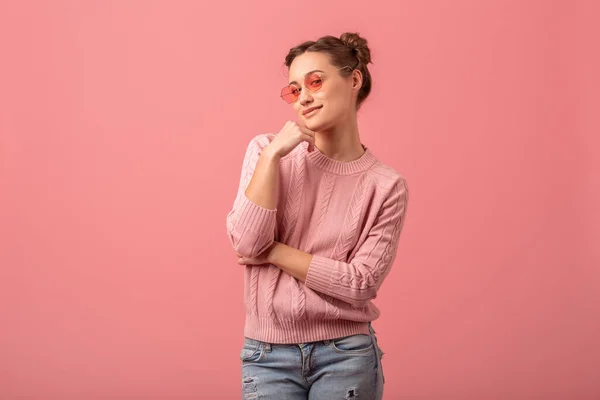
<point>310,109</point>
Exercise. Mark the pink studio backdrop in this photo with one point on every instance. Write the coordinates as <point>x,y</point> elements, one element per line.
<point>122,131</point>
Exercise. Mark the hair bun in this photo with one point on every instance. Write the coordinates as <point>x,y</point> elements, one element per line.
<point>358,44</point>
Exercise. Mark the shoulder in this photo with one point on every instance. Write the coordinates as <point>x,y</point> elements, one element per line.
<point>261,140</point>
<point>387,178</point>
<point>256,144</point>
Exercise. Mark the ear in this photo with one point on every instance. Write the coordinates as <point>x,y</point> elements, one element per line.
<point>357,79</point>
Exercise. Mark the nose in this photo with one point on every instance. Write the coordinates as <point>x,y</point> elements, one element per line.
<point>305,97</point>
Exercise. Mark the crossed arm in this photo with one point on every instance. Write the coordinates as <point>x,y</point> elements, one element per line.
<point>289,259</point>
<point>358,280</point>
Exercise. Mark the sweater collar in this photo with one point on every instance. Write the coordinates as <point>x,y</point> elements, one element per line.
<point>340,167</point>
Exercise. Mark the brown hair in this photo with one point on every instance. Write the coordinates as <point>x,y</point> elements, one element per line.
<point>348,50</point>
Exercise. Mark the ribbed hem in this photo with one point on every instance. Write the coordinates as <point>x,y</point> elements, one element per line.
<point>268,330</point>
<point>319,275</point>
<point>256,218</point>
<point>340,167</point>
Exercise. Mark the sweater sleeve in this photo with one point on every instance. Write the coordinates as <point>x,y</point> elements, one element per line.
<point>358,280</point>
<point>250,227</point>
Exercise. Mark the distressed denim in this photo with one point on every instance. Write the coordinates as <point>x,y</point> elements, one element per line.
<point>342,368</point>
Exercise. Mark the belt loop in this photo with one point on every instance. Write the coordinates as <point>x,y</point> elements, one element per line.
<point>267,346</point>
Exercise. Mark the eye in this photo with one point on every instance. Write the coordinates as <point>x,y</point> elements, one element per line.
<point>313,82</point>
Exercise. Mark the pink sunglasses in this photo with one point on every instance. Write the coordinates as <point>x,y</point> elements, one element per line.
<point>313,81</point>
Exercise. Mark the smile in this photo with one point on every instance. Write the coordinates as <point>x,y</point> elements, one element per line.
<point>311,113</point>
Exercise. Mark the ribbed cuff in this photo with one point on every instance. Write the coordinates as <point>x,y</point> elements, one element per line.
<point>256,218</point>
<point>320,274</point>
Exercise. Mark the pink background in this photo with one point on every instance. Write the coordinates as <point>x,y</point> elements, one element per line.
<point>122,130</point>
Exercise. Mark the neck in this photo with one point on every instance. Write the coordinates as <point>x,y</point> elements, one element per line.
<point>340,142</point>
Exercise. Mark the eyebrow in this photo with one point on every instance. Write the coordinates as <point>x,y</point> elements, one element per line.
<point>309,72</point>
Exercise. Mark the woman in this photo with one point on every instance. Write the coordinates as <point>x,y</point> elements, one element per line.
<point>316,221</point>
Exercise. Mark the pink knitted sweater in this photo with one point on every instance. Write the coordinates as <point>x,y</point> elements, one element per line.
<point>348,215</point>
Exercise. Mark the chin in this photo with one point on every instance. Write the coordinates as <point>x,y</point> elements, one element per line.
<point>314,125</point>
<point>317,123</point>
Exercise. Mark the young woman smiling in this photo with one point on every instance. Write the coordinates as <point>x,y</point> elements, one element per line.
<point>316,221</point>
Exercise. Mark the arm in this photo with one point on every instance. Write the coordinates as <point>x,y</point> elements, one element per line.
<point>251,221</point>
<point>357,281</point>
<point>291,260</point>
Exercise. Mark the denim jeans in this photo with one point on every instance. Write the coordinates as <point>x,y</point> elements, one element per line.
<point>342,368</point>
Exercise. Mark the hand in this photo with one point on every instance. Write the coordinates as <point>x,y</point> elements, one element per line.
<point>290,136</point>
<point>263,258</point>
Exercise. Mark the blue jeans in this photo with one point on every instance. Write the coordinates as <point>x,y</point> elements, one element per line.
<point>343,368</point>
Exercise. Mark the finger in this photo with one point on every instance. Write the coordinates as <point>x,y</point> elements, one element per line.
<point>311,143</point>
<point>307,132</point>
<point>305,129</point>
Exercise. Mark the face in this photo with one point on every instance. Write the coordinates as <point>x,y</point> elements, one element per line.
<point>333,94</point>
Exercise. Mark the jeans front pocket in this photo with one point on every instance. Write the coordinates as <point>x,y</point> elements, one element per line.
<point>380,354</point>
<point>353,344</point>
<point>252,350</point>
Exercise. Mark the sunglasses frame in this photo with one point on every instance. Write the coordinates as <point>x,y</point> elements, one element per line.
<point>312,91</point>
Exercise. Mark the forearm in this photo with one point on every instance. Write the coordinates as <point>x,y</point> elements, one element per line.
<point>263,188</point>
<point>293,261</point>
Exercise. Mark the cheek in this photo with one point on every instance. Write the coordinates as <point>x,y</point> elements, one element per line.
<point>335,105</point>
<point>337,95</point>
<point>298,108</point>
<point>329,101</point>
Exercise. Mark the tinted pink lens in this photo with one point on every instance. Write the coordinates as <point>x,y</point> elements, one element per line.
<point>290,93</point>
<point>313,82</point>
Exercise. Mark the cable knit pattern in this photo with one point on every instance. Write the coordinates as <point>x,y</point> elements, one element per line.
<point>327,184</point>
<point>254,289</point>
<point>273,278</point>
<point>347,215</point>
<point>352,218</point>
<point>294,198</point>
<point>298,299</point>
<point>293,206</point>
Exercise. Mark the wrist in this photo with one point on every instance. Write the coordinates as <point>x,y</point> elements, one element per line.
<point>271,253</point>
<point>271,153</point>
